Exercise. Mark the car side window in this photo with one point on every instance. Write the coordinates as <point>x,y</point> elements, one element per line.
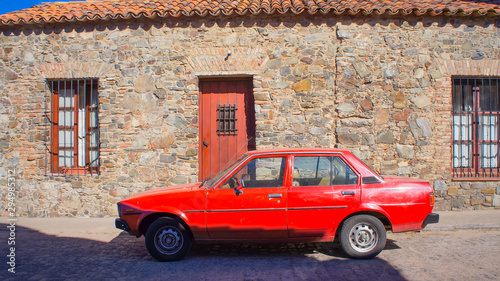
<point>342,173</point>
<point>259,173</point>
<point>312,171</point>
<point>322,171</point>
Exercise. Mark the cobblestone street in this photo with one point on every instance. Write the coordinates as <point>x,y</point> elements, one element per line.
<point>431,255</point>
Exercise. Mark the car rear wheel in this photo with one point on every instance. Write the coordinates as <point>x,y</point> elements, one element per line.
<point>167,240</point>
<point>363,237</point>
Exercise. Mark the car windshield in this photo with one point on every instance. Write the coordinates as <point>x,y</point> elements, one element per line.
<point>224,171</point>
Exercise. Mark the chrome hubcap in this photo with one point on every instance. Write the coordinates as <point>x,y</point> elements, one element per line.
<point>168,240</point>
<point>363,237</point>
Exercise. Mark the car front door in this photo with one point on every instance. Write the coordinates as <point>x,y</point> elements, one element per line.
<point>323,188</point>
<point>250,203</point>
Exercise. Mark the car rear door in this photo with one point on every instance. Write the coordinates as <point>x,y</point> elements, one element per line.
<point>323,187</point>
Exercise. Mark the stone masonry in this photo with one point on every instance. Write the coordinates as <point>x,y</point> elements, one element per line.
<point>379,86</point>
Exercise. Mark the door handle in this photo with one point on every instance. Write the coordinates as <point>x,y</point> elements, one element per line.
<point>205,144</point>
<point>274,195</point>
<point>349,192</point>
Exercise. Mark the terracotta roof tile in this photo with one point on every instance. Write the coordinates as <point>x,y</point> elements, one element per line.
<point>125,9</point>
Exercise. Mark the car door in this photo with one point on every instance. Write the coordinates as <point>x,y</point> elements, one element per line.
<point>323,187</point>
<point>251,203</point>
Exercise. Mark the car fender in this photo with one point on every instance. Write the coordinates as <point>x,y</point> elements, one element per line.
<point>163,211</point>
<point>366,208</point>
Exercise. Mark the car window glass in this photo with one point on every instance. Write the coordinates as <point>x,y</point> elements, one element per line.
<point>312,171</point>
<point>322,171</point>
<point>342,173</point>
<point>258,173</point>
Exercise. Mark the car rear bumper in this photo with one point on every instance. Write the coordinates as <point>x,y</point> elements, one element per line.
<point>121,224</point>
<point>431,218</point>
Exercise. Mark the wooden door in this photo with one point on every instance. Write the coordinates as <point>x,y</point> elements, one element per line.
<point>227,123</point>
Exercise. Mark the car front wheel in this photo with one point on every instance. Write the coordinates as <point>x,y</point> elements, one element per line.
<point>363,237</point>
<point>167,240</point>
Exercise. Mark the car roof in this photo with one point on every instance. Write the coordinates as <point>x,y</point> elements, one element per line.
<point>297,150</point>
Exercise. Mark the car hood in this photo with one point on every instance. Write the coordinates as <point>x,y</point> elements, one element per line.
<point>182,188</point>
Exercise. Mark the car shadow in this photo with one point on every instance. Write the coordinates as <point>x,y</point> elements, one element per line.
<point>40,256</point>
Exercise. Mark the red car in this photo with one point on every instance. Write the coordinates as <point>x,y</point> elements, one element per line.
<point>288,195</point>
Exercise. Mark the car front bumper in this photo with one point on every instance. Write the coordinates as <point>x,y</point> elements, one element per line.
<point>121,224</point>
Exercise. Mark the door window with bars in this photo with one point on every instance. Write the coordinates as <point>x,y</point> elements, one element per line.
<point>476,112</point>
<point>75,129</point>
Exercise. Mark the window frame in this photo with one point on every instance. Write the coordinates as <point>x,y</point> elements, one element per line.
<point>467,105</point>
<point>79,114</point>
<point>331,159</point>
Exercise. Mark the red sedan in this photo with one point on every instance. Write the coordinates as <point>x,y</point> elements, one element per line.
<point>288,195</point>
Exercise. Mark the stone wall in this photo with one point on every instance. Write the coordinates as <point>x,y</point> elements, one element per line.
<point>378,86</point>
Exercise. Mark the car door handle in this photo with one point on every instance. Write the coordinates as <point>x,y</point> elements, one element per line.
<point>349,192</point>
<point>274,195</point>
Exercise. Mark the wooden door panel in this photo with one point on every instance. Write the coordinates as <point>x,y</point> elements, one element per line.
<point>225,105</point>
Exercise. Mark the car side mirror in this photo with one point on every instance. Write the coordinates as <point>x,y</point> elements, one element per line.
<point>238,189</point>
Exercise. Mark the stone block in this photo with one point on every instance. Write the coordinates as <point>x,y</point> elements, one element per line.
<point>317,37</point>
<point>405,151</point>
<point>368,139</point>
<point>346,107</point>
<point>400,101</point>
<point>303,85</point>
<point>356,122</point>
<point>177,120</point>
<point>147,175</point>
<point>488,190</point>
<point>458,203</point>
<point>452,191</point>
<point>381,116</point>
<point>477,199</point>
<point>351,139</point>
<point>366,105</point>
<point>465,185</point>
<point>478,185</point>
<point>318,131</point>
<point>440,185</point>
<point>385,137</point>
<point>425,126</point>
<point>343,34</point>
<point>435,74</point>
<point>442,205</point>
<point>421,101</point>
<point>361,69</point>
<point>495,201</point>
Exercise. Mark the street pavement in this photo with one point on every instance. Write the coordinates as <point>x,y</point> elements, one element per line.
<point>462,246</point>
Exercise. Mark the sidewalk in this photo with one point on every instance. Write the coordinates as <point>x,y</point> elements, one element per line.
<point>103,229</point>
<point>483,219</point>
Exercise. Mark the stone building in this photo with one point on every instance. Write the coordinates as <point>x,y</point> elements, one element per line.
<point>102,99</point>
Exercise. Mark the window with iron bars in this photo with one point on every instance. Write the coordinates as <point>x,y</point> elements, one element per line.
<point>476,134</point>
<point>74,140</point>
<point>227,119</point>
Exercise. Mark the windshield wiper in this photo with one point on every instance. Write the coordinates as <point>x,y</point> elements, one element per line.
<point>204,181</point>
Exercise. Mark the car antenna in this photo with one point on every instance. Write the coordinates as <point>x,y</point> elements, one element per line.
<point>230,160</point>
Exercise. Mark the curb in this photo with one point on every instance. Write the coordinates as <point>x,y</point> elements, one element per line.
<point>462,227</point>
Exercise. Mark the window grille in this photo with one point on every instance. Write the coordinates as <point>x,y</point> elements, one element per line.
<point>227,119</point>
<point>74,139</point>
<point>475,121</point>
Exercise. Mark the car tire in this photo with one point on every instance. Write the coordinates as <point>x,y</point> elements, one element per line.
<point>363,237</point>
<point>167,240</point>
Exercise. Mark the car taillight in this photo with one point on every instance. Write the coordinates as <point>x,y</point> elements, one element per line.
<point>431,198</point>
